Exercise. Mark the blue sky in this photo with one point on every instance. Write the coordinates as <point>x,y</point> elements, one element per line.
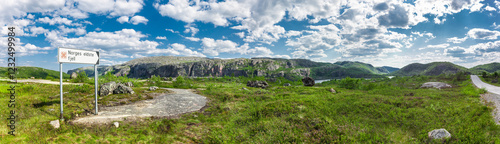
<point>383,33</point>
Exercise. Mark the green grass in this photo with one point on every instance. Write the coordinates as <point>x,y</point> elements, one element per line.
<point>28,72</point>
<point>389,111</point>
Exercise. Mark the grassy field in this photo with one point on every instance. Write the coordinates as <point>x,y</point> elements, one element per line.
<point>362,111</point>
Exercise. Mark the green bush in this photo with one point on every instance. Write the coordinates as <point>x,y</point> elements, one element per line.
<point>349,83</point>
<point>182,83</point>
<point>82,77</point>
<point>49,78</point>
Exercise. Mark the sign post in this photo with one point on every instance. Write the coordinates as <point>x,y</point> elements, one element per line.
<point>69,55</point>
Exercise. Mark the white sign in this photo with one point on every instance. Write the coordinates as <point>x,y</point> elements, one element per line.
<point>69,55</point>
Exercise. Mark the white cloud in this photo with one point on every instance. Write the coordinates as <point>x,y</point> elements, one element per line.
<point>259,52</point>
<point>119,44</point>
<point>240,34</point>
<point>479,33</point>
<point>138,19</point>
<point>192,39</point>
<point>55,20</point>
<point>489,8</point>
<point>122,19</point>
<point>456,40</point>
<point>176,49</point>
<point>213,47</point>
<point>440,46</point>
<point>171,30</point>
<point>16,9</point>
<point>23,49</point>
<point>161,37</point>
<point>191,29</point>
<point>127,7</point>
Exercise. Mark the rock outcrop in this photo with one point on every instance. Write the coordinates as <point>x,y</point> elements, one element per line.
<point>73,75</point>
<point>438,85</point>
<point>308,81</point>
<point>114,88</point>
<point>260,84</point>
<point>439,134</point>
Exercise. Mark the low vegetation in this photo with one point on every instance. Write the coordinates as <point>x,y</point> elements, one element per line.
<point>378,110</point>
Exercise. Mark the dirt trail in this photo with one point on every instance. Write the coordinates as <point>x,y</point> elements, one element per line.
<point>166,105</point>
<point>492,96</point>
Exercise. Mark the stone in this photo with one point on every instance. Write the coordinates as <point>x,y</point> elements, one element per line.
<point>261,84</point>
<point>55,124</point>
<point>287,84</point>
<point>308,81</point>
<point>32,77</point>
<point>333,90</point>
<point>51,109</point>
<point>114,88</point>
<point>123,89</point>
<point>244,88</point>
<point>107,88</point>
<point>74,75</point>
<point>153,88</point>
<point>494,81</point>
<point>438,85</point>
<point>116,124</point>
<point>129,84</point>
<point>439,134</point>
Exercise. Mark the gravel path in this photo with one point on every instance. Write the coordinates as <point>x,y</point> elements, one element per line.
<point>492,96</point>
<point>167,105</point>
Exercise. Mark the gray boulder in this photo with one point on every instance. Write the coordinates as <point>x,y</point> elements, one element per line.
<point>439,134</point>
<point>333,90</point>
<point>123,89</point>
<point>129,84</point>
<point>114,88</point>
<point>287,84</point>
<point>55,124</point>
<point>107,88</point>
<point>438,85</point>
<point>153,88</point>
<point>261,84</point>
<point>308,81</point>
<point>116,124</point>
<point>74,75</point>
<point>244,88</point>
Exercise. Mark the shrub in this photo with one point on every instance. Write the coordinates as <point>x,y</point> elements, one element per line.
<point>49,78</point>
<point>82,77</point>
<point>182,83</point>
<point>349,83</point>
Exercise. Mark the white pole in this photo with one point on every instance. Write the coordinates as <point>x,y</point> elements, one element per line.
<point>95,77</point>
<point>61,87</point>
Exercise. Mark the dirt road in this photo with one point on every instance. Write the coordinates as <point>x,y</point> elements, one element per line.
<point>167,105</point>
<point>480,84</point>
<point>492,96</point>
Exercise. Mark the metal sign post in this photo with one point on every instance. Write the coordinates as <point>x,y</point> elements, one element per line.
<point>69,55</point>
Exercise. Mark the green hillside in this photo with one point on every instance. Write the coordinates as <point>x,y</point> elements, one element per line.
<point>362,66</point>
<point>490,68</point>
<point>431,69</point>
<point>37,72</point>
<point>388,69</point>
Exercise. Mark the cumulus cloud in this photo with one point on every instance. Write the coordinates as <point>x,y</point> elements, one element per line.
<point>479,33</point>
<point>398,17</point>
<point>192,38</point>
<point>176,49</point>
<point>213,47</point>
<point>381,6</point>
<point>112,44</point>
<point>138,19</point>
<point>456,40</point>
<point>55,20</point>
<point>122,19</point>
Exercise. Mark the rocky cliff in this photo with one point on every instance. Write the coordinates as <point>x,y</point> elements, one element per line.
<point>169,66</point>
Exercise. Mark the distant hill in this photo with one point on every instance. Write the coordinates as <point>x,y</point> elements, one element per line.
<point>387,69</point>
<point>431,69</point>
<point>364,66</point>
<point>490,68</point>
<point>37,72</point>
